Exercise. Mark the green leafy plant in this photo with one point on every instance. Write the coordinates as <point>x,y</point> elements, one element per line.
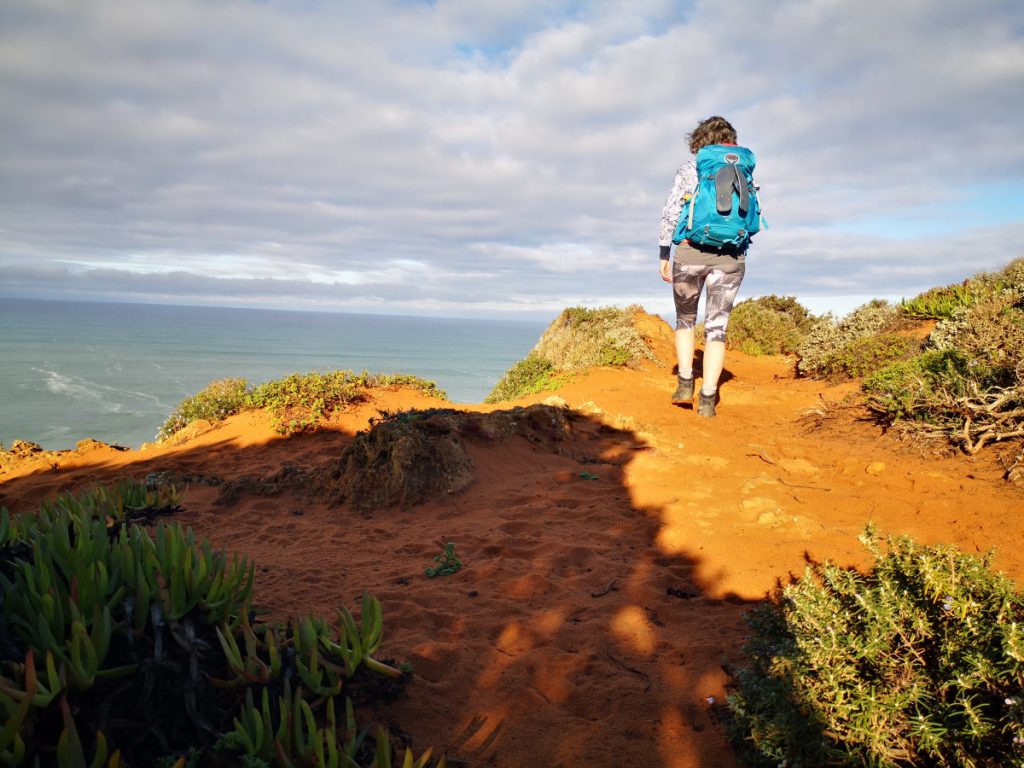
<point>769,325</point>
<point>940,303</point>
<point>578,338</point>
<point>990,331</point>
<point>943,394</point>
<point>917,388</point>
<point>918,662</point>
<point>967,387</point>
<point>581,337</point>
<point>832,349</point>
<point>216,402</point>
<point>448,563</point>
<point>530,375</point>
<point>868,354</point>
<point>149,639</point>
<point>298,402</point>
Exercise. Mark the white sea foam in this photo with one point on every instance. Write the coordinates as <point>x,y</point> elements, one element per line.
<point>69,386</point>
<point>79,388</point>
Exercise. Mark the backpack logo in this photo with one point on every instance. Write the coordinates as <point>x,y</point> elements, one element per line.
<point>723,212</point>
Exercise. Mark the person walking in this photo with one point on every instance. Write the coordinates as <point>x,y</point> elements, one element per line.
<point>698,266</point>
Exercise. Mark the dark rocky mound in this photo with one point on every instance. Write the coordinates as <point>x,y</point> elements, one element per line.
<point>412,456</point>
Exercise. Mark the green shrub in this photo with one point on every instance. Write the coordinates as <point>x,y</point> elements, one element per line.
<point>530,375</point>
<point>581,338</point>
<point>1011,277</point>
<point>918,662</point>
<point>940,303</point>
<point>768,325</point>
<point>968,387</point>
<point>220,399</point>
<point>943,303</point>
<point>578,338</point>
<point>943,393</point>
<point>407,380</point>
<point>990,331</point>
<point>118,642</point>
<point>827,341</point>
<point>868,354</point>
<point>298,402</point>
<point>918,388</point>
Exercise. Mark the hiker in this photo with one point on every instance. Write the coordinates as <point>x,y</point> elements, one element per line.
<point>704,261</point>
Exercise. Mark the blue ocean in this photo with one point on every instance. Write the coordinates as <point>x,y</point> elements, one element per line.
<point>114,372</point>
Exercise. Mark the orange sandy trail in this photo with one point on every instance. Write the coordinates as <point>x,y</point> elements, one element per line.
<point>591,619</point>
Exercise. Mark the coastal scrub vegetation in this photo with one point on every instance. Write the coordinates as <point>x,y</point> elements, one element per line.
<point>947,364</point>
<point>530,375</point>
<point>298,402</point>
<point>863,341</point>
<point>769,325</point>
<point>216,402</point>
<point>967,384</point>
<point>126,646</point>
<point>577,339</point>
<point>920,661</point>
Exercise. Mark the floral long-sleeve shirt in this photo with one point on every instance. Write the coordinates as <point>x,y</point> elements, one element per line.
<point>685,181</point>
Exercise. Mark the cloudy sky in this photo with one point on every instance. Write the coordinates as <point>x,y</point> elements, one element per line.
<point>482,157</point>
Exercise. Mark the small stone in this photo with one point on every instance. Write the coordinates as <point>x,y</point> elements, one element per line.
<point>875,468</point>
<point>556,402</point>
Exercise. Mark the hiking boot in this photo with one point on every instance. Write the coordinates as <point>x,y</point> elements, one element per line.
<point>706,404</point>
<point>684,392</point>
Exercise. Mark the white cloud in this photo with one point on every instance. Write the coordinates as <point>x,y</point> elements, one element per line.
<point>518,151</point>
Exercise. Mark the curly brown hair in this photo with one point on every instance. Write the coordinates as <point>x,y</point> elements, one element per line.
<point>714,130</point>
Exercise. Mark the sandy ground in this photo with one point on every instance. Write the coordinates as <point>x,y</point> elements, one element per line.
<point>604,585</point>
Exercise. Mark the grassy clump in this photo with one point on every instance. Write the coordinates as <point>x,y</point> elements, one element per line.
<point>217,401</point>
<point>578,338</point>
<point>918,662</point>
<point>121,646</point>
<point>769,325</point>
<point>298,402</point>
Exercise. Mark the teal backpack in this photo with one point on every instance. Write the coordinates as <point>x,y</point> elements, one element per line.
<point>723,212</point>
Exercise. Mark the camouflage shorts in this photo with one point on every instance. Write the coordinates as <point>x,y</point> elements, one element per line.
<point>722,281</point>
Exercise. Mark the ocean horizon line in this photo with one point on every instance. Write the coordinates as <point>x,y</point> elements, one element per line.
<point>511,316</point>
